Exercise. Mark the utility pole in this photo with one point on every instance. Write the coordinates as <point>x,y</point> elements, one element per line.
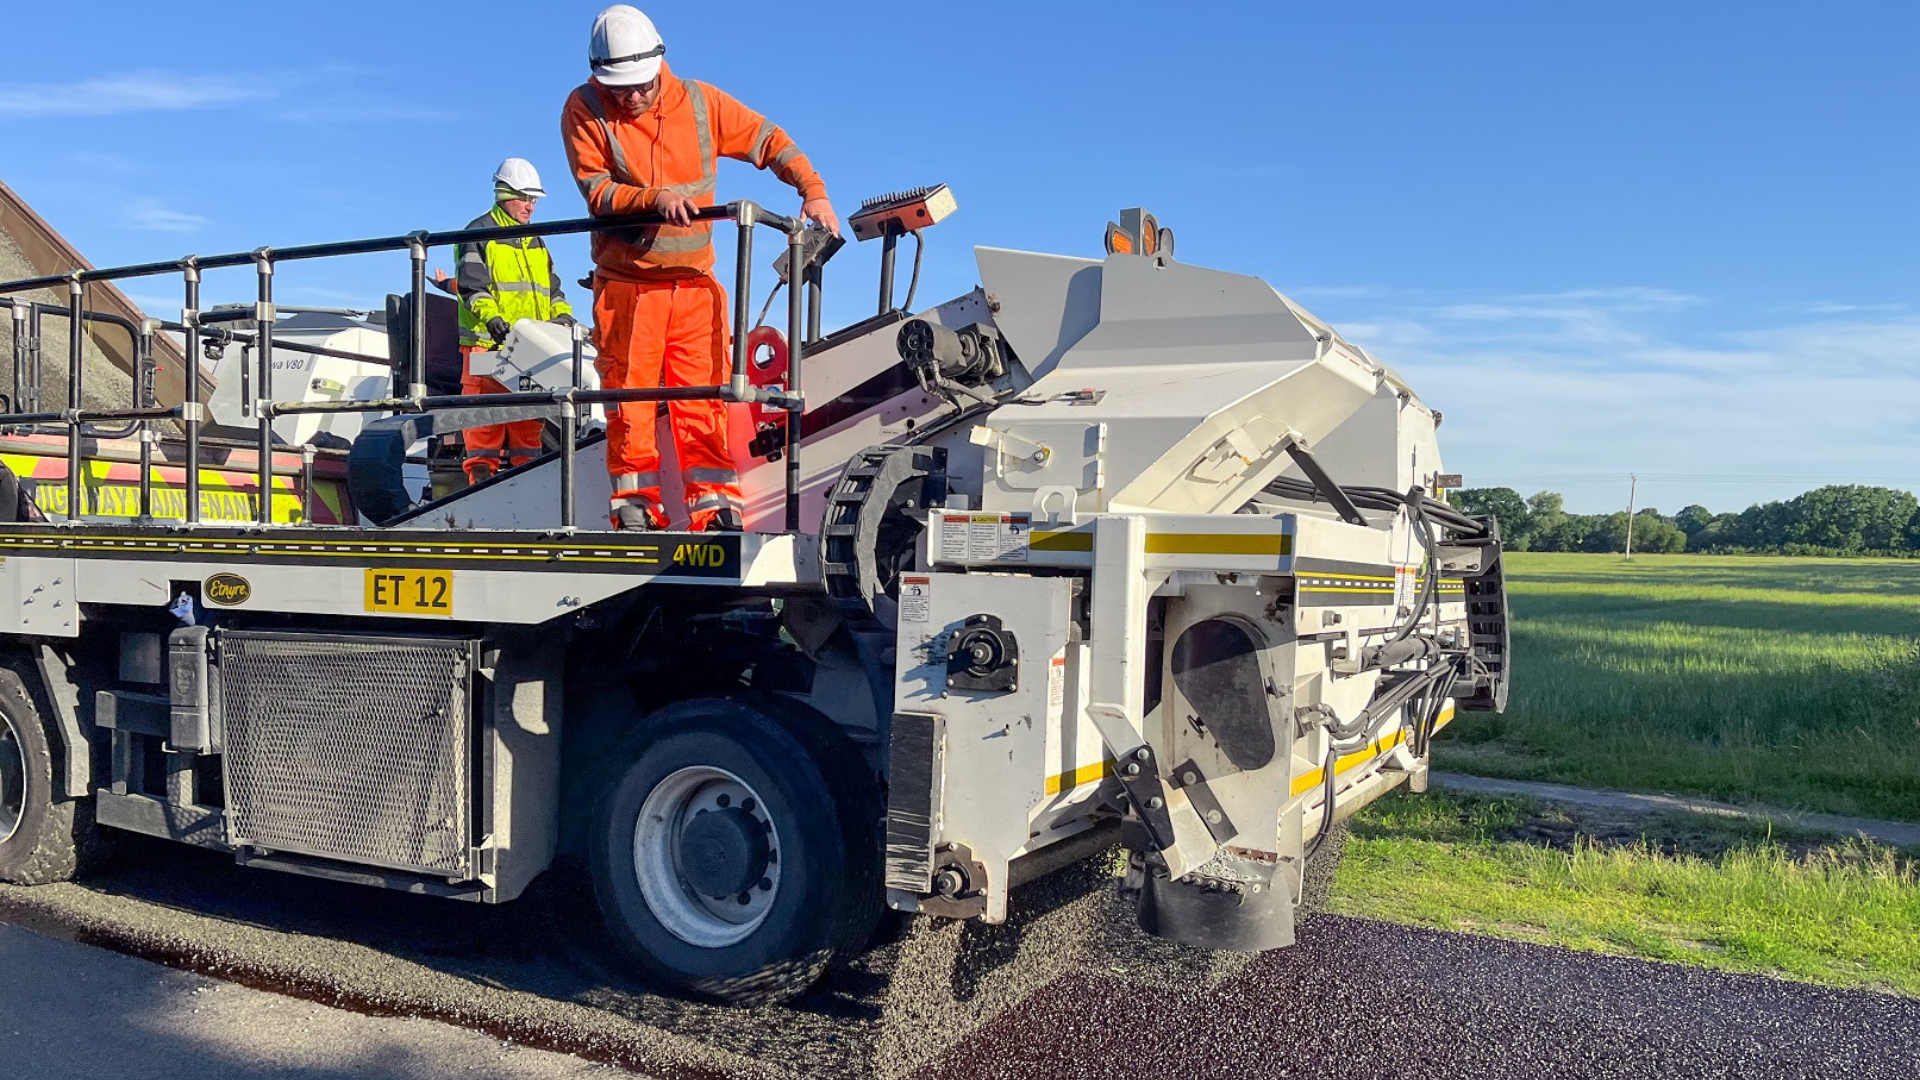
<point>1633,491</point>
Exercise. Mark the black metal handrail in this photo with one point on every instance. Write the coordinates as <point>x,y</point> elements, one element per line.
<point>746,214</point>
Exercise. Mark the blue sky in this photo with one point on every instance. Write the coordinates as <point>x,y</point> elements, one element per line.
<point>1678,240</point>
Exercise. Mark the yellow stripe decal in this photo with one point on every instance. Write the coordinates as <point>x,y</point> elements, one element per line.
<point>1219,544</point>
<point>1306,782</point>
<point>1085,774</point>
<point>1061,541</point>
<point>1174,543</point>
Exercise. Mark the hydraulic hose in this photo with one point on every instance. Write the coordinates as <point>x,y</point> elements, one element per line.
<point>1327,808</point>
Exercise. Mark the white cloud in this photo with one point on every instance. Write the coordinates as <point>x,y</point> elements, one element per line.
<point>1828,307</point>
<point>134,92</point>
<point>142,213</point>
<point>325,94</point>
<point>1539,391</point>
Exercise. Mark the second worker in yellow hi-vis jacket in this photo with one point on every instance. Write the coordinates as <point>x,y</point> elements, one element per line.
<point>501,282</point>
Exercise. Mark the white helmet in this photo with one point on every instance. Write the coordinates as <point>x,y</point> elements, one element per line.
<point>516,177</point>
<point>626,49</point>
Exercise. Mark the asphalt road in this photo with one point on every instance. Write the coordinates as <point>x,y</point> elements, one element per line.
<point>1357,1000</point>
<point>74,1012</point>
<point>1069,988</point>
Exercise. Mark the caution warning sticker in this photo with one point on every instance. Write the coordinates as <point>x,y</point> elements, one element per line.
<point>916,598</point>
<point>983,537</point>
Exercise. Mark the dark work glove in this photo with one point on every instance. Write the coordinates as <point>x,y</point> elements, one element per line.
<point>563,320</point>
<point>498,327</point>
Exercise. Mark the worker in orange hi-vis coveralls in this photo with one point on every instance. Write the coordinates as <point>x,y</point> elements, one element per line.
<point>640,139</point>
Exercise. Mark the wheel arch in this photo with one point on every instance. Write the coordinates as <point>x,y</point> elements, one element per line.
<point>50,678</point>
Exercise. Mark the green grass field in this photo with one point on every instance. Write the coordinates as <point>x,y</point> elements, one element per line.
<point>1684,888</point>
<point>1789,682</point>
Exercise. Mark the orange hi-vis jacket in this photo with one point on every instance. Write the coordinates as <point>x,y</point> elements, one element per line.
<point>622,165</point>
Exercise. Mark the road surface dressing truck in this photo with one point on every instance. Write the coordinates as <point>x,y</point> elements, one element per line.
<point>1114,551</point>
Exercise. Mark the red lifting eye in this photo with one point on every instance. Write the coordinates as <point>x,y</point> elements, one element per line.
<point>767,366</point>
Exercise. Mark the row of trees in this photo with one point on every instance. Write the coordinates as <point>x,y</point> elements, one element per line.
<point>1843,519</point>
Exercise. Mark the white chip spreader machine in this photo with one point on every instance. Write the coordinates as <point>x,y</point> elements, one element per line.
<point>1113,551</point>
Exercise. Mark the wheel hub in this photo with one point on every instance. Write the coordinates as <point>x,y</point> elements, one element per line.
<point>707,856</point>
<point>723,853</point>
<point>13,780</point>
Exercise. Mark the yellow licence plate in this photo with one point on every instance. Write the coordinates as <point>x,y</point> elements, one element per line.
<point>414,592</point>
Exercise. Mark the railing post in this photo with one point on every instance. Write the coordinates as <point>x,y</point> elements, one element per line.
<point>263,338</point>
<point>190,408</point>
<point>307,498</point>
<point>36,354</point>
<point>417,353</point>
<point>143,379</point>
<point>742,286</point>
<point>796,349</point>
<point>20,311</point>
<point>570,427</point>
<point>76,364</point>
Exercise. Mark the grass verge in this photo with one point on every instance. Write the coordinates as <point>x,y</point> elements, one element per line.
<point>1789,682</point>
<point>1687,888</point>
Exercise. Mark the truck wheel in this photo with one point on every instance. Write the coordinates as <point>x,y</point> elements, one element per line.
<point>736,857</point>
<point>42,839</point>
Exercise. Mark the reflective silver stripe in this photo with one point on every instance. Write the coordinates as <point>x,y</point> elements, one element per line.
<point>472,454</point>
<point>620,169</point>
<point>694,188</point>
<point>478,295</point>
<point>633,482</point>
<point>760,141</point>
<point>781,159</point>
<point>619,500</point>
<point>704,129</point>
<point>587,184</point>
<point>715,501</point>
<point>523,286</point>
<point>710,476</point>
<point>683,242</point>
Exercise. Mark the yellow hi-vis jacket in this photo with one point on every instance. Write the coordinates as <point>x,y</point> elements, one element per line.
<point>506,279</point>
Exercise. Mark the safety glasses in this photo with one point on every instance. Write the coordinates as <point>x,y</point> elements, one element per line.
<point>631,93</point>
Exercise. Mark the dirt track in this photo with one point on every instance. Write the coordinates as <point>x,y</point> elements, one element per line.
<point>1069,989</point>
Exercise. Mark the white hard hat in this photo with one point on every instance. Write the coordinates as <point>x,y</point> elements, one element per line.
<point>517,175</point>
<point>626,49</point>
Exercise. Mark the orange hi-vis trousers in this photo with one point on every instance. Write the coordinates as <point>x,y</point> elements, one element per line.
<point>492,448</point>
<point>670,331</point>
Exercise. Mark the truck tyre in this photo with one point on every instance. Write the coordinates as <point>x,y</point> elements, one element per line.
<point>736,855</point>
<point>42,838</point>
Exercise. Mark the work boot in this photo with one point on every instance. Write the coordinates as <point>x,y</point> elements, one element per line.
<point>632,516</point>
<point>727,520</point>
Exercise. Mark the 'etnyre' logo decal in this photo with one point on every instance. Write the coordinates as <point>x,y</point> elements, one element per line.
<point>226,590</point>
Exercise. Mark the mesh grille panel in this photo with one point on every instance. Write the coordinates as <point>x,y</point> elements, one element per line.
<point>349,748</point>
